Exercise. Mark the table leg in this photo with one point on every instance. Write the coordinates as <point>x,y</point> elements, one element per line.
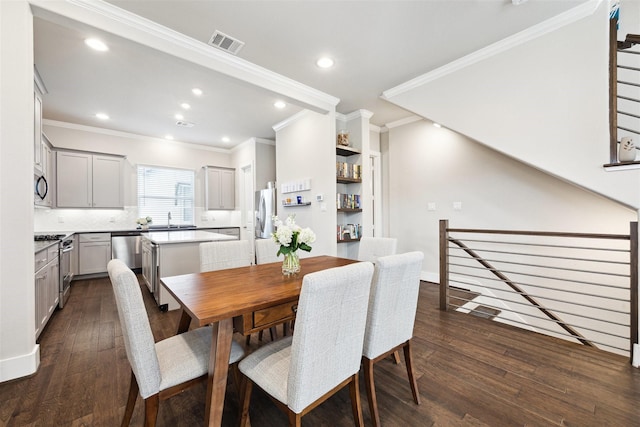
<point>185,321</point>
<point>218,370</point>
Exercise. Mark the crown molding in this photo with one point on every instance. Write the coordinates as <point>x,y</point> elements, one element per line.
<point>374,128</point>
<point>108,17</point>
<point>365,114</point>
<point>402,122</point>
<point>121,134</point>
<point>572,15</point>
<point>289,121</point>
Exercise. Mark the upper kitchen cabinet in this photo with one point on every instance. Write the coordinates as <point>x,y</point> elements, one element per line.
<point>38,155</point>
<point>220,188</point>
<point>89,180</point>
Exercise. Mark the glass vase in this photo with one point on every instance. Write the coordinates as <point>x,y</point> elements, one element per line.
<point>291,264</point>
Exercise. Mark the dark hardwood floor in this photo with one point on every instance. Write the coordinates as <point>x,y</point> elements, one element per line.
<point>472,372</point>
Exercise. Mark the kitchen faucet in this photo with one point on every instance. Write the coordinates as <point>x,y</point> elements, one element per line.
<point>169,219</point>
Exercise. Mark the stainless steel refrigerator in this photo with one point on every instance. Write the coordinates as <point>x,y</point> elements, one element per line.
<point>265,210</point>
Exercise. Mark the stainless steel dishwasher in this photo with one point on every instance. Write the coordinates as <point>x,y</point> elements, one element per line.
<point>125,245</point>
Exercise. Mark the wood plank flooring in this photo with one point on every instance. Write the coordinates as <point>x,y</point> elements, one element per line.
<point>471,372</point>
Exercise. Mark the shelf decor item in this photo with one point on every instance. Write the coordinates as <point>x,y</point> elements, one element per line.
<point>291,237</point>
<point>626,150</point>
<point>343,138</point>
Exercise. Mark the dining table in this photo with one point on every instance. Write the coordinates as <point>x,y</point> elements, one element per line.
<point>252,298</point>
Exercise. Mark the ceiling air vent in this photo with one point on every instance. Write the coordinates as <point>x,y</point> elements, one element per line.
<point>226,43</point>
<point>185,124</point>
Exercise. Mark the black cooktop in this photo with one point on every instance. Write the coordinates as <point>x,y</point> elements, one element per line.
<point>40,237</point>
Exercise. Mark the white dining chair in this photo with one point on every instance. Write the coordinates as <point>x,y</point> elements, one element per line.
<point>390,318</point>
<point>226,254</point>
<point>304,370</point>
<point>371,248</point>
<point>266,251</point>
<point>163,369</point>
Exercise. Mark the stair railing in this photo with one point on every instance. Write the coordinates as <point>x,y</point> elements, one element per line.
<point>624,87</point>
<point>585,285</point>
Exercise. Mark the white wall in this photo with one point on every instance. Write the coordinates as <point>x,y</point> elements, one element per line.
<point>139,150</point>
<point>19,353</point>
<point>544,101</point>
<point>435,165</point>
<point>305,148</point>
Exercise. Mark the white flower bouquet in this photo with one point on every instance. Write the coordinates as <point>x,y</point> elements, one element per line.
<point>144,221</point>
<point>291,236</point>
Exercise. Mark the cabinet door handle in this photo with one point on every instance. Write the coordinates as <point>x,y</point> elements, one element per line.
<point>294,308</point>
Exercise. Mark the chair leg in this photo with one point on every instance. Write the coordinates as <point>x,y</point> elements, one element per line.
<point>371,390</point>
<point>245,398</point>
<point>396,358</point>
<point>131,401</point>
<point>151,405</point>
<point>354,391</point>
<point>408,360</point>
<point>295,420</point>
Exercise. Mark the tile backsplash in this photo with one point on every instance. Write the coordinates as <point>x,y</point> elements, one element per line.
<point>51,220</point>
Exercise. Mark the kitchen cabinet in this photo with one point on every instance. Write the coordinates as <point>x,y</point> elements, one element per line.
<point>37,124</point>
<point>220,188</point>
<point>94,253</point>
<point>89,180</point>
<point>47,291</point>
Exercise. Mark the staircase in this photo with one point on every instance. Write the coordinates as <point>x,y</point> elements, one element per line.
<point>625,91</point>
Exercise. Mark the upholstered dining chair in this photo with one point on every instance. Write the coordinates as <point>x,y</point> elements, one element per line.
<point>163,369</point>
<point>304,370</point>
<point>371,248</point>
<point>266,250</point>
<point>223,255</point>
<point>390,318</point>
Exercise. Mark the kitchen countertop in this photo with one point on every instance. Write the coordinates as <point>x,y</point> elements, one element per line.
<point>44,244</point>
<point>186,236</point>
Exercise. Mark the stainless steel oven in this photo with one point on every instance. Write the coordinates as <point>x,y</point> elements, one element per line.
<point>66,275</point>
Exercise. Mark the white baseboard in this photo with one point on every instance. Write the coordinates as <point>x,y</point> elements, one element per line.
<point>20,366</point>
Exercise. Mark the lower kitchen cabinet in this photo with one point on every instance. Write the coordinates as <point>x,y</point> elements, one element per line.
<point>94,253</point>
<point>47,290</point>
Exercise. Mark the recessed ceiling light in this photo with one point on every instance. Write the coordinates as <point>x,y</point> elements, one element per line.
<point>438,125</point>
<point>185,105</point>
<point>226,139</point>
<point>324,62</point>
<point>179,116</point>
<point>96,44</point>
<point>102,116</point>
<point>280,104</point>
<point>169,137</point>
<point>196,91</point>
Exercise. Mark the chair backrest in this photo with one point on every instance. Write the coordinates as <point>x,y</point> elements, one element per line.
<point>392,303</point>
<point>223,255</point>
<point>372,248</point>
<point>136,331</point>
<point>329,332</point>
<point>266,250</point>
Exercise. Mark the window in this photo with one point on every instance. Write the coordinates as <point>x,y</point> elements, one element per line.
<point>165,190</point>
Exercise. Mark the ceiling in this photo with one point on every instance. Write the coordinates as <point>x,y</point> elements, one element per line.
<point>376,45</point>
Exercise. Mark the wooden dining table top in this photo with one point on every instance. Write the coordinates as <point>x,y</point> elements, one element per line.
<point>216,295</point>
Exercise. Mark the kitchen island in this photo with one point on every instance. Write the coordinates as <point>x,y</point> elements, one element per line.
<point>171,253</point>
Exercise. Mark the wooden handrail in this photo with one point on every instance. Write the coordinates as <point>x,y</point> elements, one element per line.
<point>613,91</point>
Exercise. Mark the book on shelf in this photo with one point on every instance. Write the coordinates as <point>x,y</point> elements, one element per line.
<point>347,201</point>
<point>349,231</point>
<point>348,170</point>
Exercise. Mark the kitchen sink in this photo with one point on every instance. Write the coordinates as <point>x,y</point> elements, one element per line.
<point>171,227</point>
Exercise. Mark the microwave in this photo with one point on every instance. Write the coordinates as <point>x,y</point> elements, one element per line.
<point>41,189</point>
